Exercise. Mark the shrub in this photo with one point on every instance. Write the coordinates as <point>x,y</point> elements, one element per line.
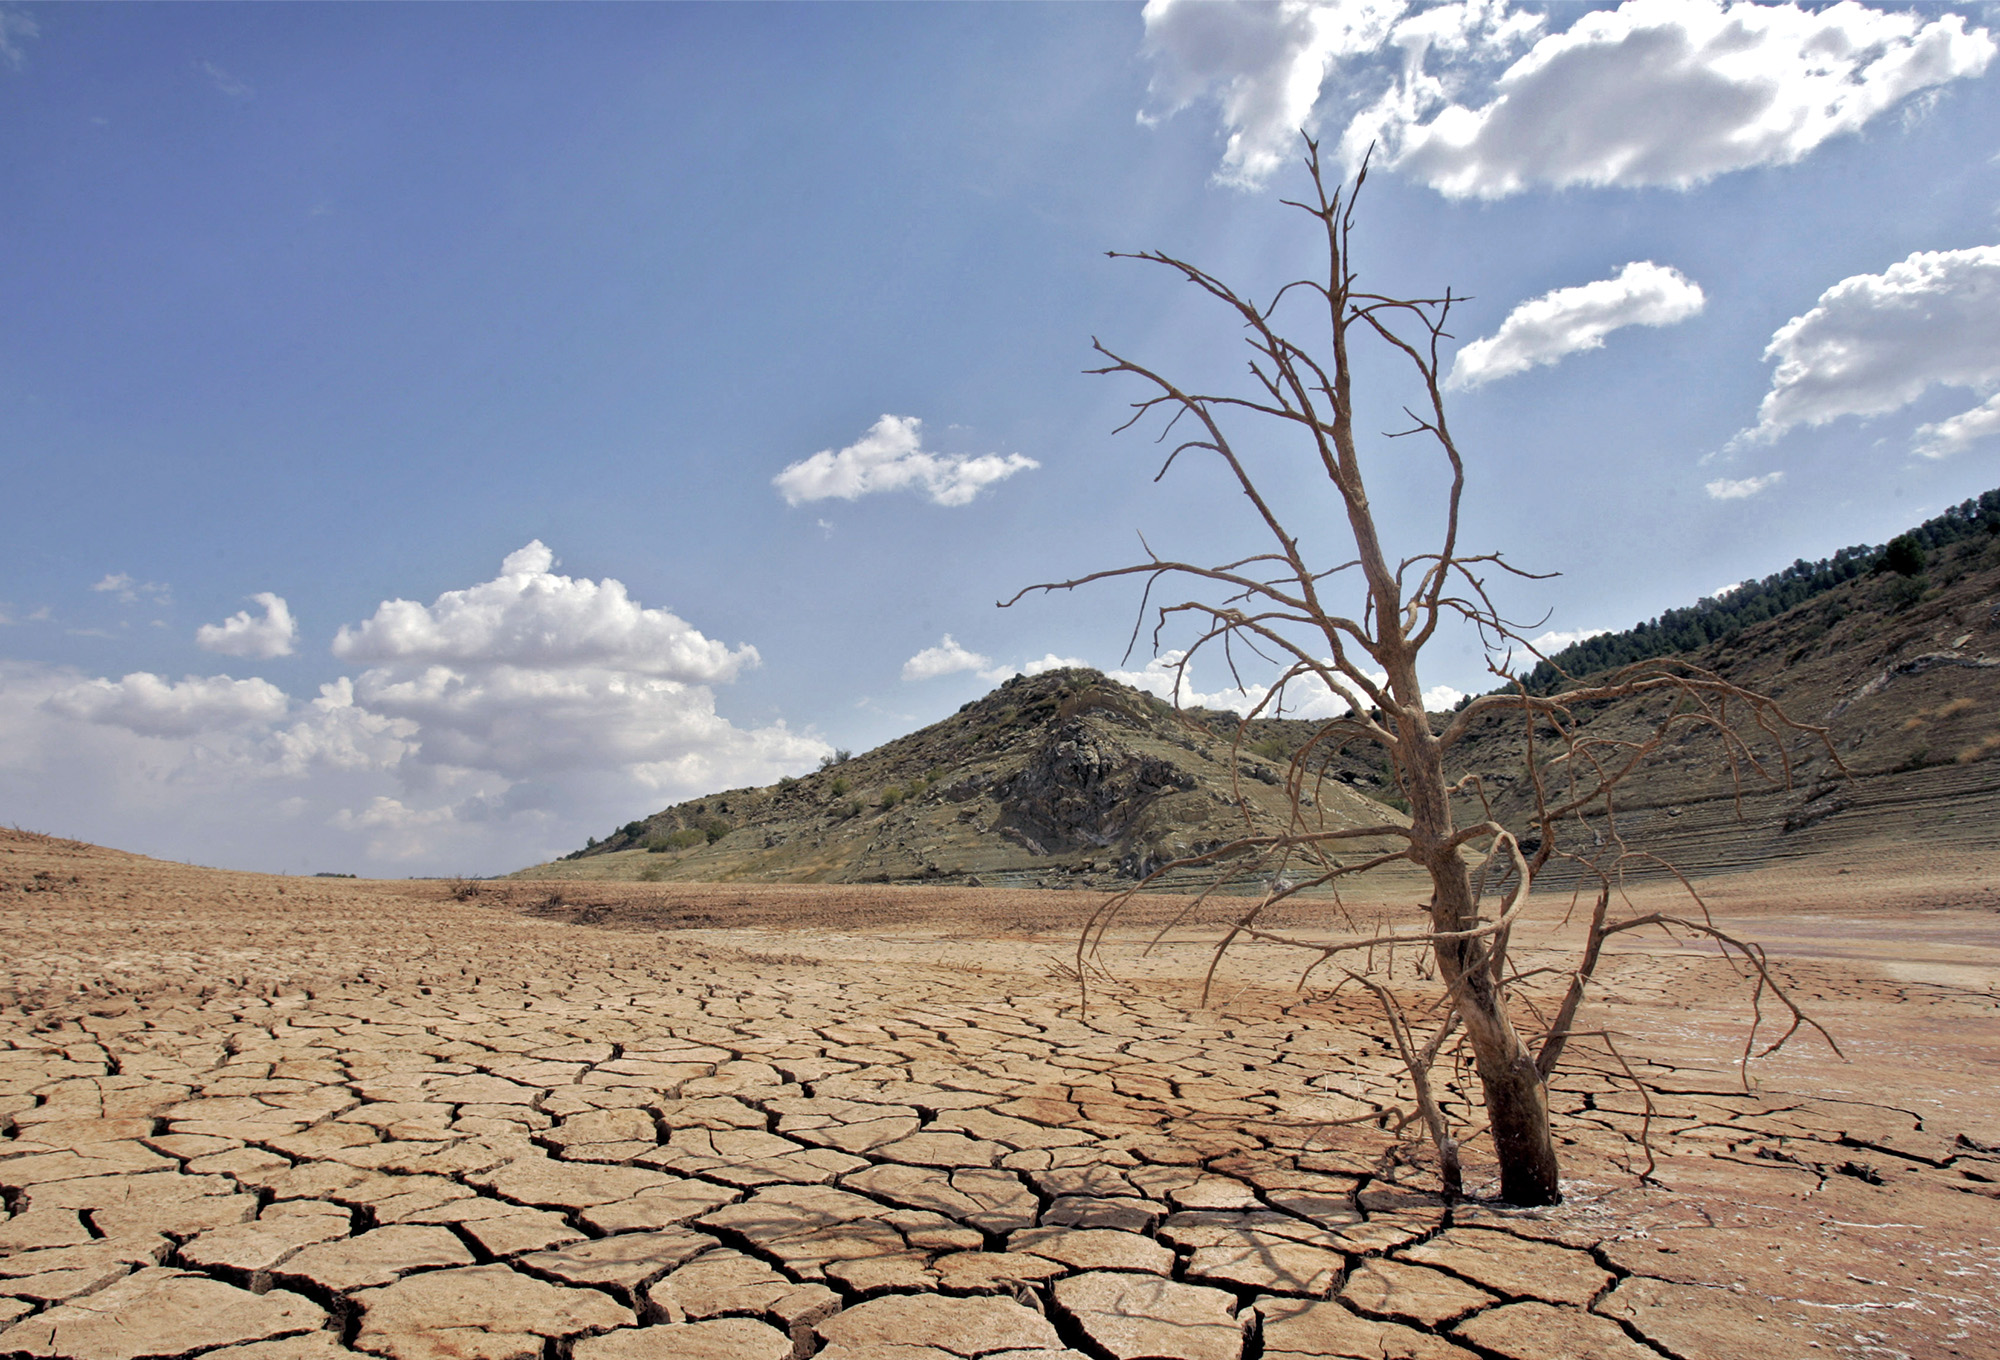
<point>1904,556</point>
<point>840,785</point>
<point>687,838</point>
<point>1905,591</point>
<point>891,796</point>
<point>715,829</point>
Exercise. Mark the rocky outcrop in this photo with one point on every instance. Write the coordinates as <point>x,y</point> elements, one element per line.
<point>1085,789</point>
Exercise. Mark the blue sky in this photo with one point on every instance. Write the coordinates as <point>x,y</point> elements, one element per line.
<point>409,414</point>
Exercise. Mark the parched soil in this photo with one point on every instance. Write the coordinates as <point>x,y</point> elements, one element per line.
<point>274,1118</point>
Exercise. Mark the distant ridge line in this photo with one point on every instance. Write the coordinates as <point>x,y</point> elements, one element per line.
<point>1712,619</point>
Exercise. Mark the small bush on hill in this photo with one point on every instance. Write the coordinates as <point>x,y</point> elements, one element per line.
<point>1904,556</point>
<point>1905,591</point>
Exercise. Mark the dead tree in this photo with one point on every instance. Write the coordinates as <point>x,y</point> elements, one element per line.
<point>1356,627</point>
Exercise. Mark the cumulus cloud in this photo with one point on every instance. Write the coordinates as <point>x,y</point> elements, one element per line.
<point>1676,92</point>
<point>1655,92</point>
<point>1876,342</point>
<point>533,675</point>
<point>336,733</point>
<point>1544,329</point>
<point>1051,662</point>
<point>1263,65</point>
<point>499,725</point>
<point>1305,697</point>
<point>533,686</point>
<point>527,724</point>
<point>530,617</point>
<point>947,658</point>
<point>1553,641</point>
<point>891,457</point>
<point>1739,489</point>
<point>242,634</point>
<point>1164,678</point>
<point>1946,437</point>
<point>154,706</point>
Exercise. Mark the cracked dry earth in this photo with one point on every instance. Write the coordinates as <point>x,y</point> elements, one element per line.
<point>285,1119</point>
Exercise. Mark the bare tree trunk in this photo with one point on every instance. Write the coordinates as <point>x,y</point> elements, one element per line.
<point>1517,1107</point>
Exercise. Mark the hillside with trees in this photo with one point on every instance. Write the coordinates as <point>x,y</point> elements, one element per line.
<point>1723,616</point>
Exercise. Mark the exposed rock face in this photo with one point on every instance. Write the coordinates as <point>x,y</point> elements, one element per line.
<point>1083,788</point>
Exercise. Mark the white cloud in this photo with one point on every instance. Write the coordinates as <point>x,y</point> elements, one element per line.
<point>1946,437</point>
<point>526,723</point>
<point>395,831</point>
<point>241,634</point>
<point>1544,329</point>
<point>533,676</point>
<point>1676,92</point>
<point>14,26</point>
<point>1305,697</point>
<point>529,617</point>
<point>1050,662</point>
<point>947,658</point>
<point>337,733</point>
<point>1875,342</point>
<point>1553,641</point>
<point>1655,92</point>
<point>129,590</point>
<point>1738,489</point>
<point>154,706</point>
<point>1442,699</point>
<point>890,457</point>
<point>1263,65</point>
<point>1161,677</point>
<point>499,725</point>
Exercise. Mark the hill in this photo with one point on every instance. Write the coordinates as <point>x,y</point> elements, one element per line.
<point>1069,779</point>
<point>1902,671</point>
<point>1064,779</point>
<point>1718,618</point>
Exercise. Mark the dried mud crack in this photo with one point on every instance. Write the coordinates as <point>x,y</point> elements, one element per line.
<point>277,1119</point>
